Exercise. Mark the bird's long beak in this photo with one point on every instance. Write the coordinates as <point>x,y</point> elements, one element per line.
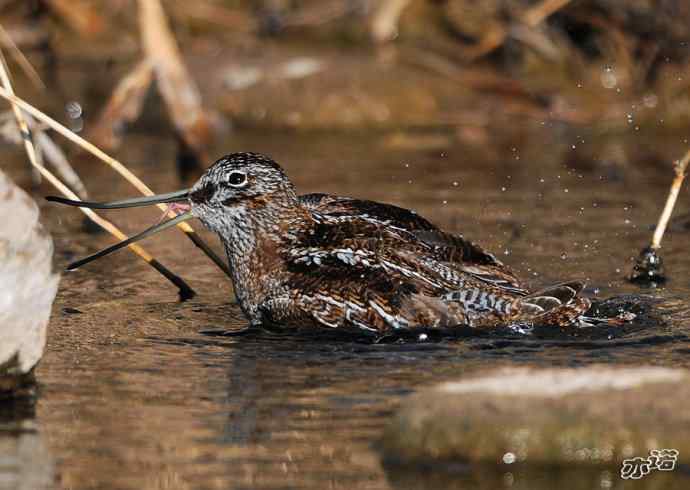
<point>171,197</point>
<point>134,202</point>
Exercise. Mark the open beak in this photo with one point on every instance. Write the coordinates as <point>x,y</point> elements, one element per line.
<point>177,196</point>
<point>171,197</point>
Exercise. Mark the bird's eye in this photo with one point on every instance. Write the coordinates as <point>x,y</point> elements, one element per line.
<point>237,179</point>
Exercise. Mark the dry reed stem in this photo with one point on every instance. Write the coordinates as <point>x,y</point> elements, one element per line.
<point>21,60</point>
<point>680,168</point>
<point>81,15</point>
<point>117,166</point>
<point>384,23</point>
<point>185,290</point>
<point>176,86</point>
<point>535,15</point>
<point>532,17</point>
<point>124,106</point>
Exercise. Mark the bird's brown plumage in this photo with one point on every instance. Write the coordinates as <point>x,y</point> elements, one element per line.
<point>337,262</point>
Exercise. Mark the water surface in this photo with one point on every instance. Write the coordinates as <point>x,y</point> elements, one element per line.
<point>132,396</point>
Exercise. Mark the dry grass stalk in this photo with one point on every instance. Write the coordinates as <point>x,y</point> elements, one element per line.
<point>384,23</point>
<point>680,168</point>
<point>22,61</point>
<point>532,17</point>
<point>185,290</point>
<point>45,148</point>
<point>178,89</point>
<point>124,105</point>
<point>537,14</point>
<point>237,21</point>
<point>116,165</point>
<point>53,154</point>
<point>79,15</point>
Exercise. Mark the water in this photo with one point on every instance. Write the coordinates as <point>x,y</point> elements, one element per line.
<point>132,396</point>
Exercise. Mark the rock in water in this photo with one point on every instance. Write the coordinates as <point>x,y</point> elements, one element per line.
<point>595,415</point>
<point>27,285</point>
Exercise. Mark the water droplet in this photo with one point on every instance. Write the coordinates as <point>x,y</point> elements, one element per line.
<point>650,101</point>
<point>503,189</point>
<point>73,109</point>
<point>506,252</point>
<point>608,78</point>
<point>565,190</point>
<point>606,481</point>
<point>564,256</point>
<point>456,183</point>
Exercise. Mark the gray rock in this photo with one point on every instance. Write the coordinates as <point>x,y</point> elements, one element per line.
<point>595,415</point>
<point>27,284</point>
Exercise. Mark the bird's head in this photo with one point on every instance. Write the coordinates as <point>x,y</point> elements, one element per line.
<point>237,187</point>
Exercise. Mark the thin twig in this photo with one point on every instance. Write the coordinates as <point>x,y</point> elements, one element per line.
<point>532,17</point>
<point>384,23</point>
<point>185,290</point>
<point>21,60</point>
<point>680,167</point>
<point>176,86</point>
<point>117,166</point>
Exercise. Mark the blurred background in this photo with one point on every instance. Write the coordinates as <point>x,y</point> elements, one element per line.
<point>477,69</point>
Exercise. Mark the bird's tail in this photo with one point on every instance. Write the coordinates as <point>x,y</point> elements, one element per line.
<point>557,305</point>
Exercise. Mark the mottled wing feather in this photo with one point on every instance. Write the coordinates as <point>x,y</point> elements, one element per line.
<point>327,204</point>
<point>450,248</point>
<point>339,295</point>
<point>378,267</point>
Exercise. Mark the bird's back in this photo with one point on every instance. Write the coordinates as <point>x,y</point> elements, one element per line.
<point>380,267</point>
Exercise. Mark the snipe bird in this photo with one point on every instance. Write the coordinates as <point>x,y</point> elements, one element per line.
<point>335,262</point>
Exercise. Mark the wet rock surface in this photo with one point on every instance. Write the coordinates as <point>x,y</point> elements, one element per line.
<point>29,285</point>
<point>597,415</point>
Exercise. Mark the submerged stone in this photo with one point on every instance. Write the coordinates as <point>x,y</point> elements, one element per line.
<point>28,285</point>
<point>648,268</point>
<point>597,415</point>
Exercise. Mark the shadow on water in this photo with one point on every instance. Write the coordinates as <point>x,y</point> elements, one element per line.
<point>134,397</point>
